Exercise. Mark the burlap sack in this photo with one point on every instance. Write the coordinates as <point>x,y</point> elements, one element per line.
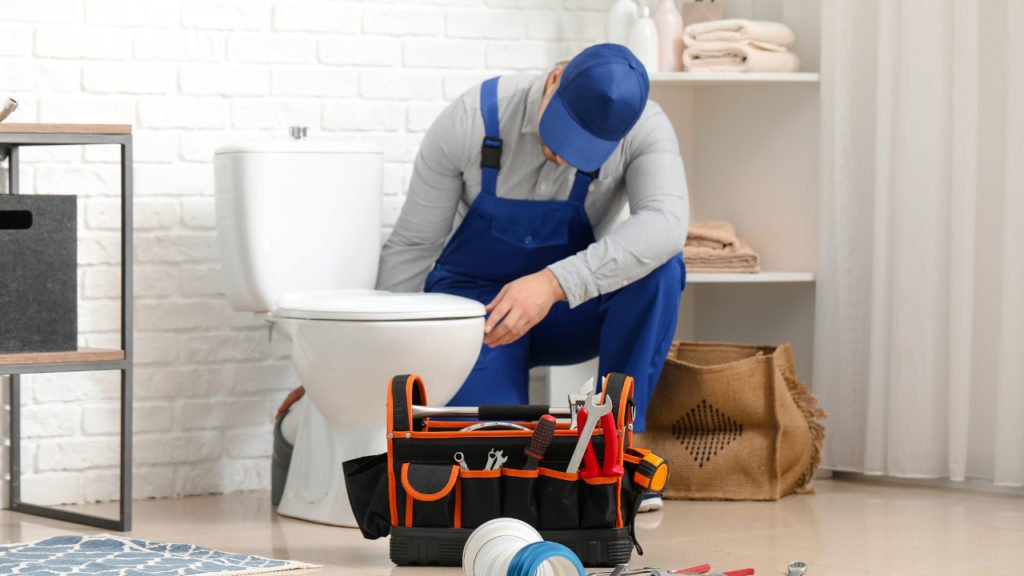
<point>734,423</point>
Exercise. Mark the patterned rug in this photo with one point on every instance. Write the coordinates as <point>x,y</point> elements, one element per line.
<point>107,555</point>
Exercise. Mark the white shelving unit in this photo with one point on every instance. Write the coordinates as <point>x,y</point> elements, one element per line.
<point>727,78</point>
<point>762,278</point>
<point>750,144</point>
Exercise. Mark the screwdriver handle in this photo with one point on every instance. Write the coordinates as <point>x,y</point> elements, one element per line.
<point>540,441</point>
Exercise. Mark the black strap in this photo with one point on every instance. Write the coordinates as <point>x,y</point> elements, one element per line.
<point>406,390</point>
<point>614,385</point>
<point>401,411</point>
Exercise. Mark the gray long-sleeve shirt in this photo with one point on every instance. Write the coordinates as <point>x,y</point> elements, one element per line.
<point>645,170</point>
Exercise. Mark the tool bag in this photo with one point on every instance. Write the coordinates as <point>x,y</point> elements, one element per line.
<point>429,505</point>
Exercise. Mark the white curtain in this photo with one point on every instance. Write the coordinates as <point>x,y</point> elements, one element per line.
<point>920,313</point>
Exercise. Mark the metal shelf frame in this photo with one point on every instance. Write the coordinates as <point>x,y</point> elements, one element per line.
<point>10,145</point>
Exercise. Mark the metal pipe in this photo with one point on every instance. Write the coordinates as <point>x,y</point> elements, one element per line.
<point>472,411</point>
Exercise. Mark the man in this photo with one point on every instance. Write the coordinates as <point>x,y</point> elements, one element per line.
<point>538,168</point>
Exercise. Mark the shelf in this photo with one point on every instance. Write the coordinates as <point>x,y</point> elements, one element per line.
<point>731,78</point>
<point>72,356</point>
<point>759,278</point>
<point>77,129</point>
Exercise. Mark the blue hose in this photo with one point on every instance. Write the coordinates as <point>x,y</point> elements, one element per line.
<point>530,557</point>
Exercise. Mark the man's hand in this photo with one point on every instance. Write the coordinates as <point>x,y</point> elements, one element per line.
<point>521,305</point>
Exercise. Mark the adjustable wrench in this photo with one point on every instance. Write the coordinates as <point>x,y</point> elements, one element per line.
<point>594,413</point>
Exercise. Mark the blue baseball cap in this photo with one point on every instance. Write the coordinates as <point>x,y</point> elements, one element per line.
<point>600,97</point>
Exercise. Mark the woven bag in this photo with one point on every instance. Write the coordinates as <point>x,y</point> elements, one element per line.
<point>734,423</point>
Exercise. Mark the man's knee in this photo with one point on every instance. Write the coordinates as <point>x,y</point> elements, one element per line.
<point>667,278</point>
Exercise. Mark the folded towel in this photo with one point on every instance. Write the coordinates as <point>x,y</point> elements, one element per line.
<point>714,234</point>
<point>748,56</point>
<point>737,259</point>
<point>736,30</point>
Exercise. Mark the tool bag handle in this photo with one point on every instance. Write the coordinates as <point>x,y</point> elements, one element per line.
<point>619,388</point>
<point>513,412</point>
<point>404,391</point>
<point>408,389</point>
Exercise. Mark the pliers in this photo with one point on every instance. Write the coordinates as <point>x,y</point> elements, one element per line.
<point>591,469</point>
<point>702,570</point>
<point>705,570</point>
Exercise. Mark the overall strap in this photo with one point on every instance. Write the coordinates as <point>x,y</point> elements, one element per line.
<point>580,186</point>
<point>490,151</point>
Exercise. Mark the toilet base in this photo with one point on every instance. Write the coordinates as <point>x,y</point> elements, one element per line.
<point>315,489</point>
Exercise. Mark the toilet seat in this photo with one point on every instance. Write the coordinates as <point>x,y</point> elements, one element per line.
<point>375,306</point>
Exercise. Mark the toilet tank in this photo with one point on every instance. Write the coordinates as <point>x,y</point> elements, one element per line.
<point>297,216</point>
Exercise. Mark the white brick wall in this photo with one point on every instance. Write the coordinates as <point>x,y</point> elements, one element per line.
<point>191,75</point>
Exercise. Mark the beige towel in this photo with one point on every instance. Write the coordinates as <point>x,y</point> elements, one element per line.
<point>715,234</point>
<point>748,56</point>
<point>737,259</point>
<point>735,30</point>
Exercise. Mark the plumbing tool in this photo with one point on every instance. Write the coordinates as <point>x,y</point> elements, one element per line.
<point>495,459</point>
<point>591,469</point>
<point>796,568</point>
<point>510,547</point>
<point>493,425</point>
<point>702,570</point>
<point>539,442</point>
<point>9,106</point>
<point>578,400</point>
<point>652,473</point>
<point>526,413</point>
<point>705,570</point>
<point>499,460</point>
<point>460,459</point>
<point>594,412</point>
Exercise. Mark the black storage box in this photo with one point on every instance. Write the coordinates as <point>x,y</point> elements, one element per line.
<point>38,273</point>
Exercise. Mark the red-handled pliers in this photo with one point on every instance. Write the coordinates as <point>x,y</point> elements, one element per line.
<point>591,469</point>
<point>704,570</point>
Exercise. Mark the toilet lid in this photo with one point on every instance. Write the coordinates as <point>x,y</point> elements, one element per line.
<point>370,305</point>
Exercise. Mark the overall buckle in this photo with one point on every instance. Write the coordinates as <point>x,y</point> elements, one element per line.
<point>490,153</point>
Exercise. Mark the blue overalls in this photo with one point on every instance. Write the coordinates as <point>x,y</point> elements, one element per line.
<point>501,240</point>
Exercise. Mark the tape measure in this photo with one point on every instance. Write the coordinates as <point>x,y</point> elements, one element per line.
<point>652,473</point>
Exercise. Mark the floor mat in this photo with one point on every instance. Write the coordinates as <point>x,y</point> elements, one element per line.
<point>108,555</point>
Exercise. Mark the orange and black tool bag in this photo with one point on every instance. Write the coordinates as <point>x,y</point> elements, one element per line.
<point>419,495</point>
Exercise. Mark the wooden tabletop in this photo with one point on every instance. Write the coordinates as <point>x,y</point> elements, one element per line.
<point>92,129</point>
<point>80,355</point>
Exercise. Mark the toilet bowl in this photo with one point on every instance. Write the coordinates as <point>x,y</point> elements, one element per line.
<point>346,346</point>
<point>299,233</point>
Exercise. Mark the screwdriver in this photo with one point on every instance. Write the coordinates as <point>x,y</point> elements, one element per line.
<point>539,442</point>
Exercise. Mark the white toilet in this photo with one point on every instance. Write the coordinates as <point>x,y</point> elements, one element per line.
<point>299,232</point>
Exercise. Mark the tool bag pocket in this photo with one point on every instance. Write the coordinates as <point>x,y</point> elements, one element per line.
<point>558,499</point>
<point>518,495</point>
<point>599,502</point>
<point>430,495</point>
<point>366,480</point>
<point>481,496</point>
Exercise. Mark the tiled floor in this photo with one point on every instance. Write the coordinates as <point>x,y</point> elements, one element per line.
<point>848,528</point>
